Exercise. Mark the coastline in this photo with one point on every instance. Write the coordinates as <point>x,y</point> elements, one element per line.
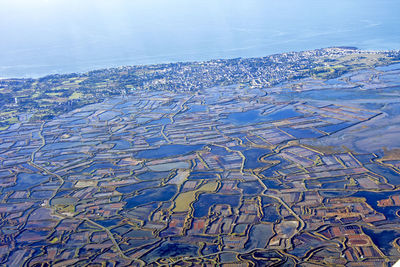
<point>112,66</point>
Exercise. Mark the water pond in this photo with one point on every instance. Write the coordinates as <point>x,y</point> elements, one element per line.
<point>150,195</point>
<point>302,133</point>
<point>259,236</point>
<point>252,157</point>
<point>197,108</point>
<point>255,116</point>
<point>205,201</point>
<point>251,188</point>
<point>152,175</point>
<point>137,186</point>
<point>26,180</point>
<point>383,239</point>
<point>392,176</point>
<point>270,214</point>
<point>168,250</point>
<point>335,127</point>
<point>372,199</point>
<point>167,151</point>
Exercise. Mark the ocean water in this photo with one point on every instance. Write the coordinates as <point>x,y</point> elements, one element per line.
<point>44,36</point>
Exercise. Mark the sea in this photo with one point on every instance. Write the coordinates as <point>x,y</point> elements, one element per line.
<point>44,37</point>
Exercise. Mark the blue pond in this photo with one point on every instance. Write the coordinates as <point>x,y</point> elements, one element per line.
<point>364,158</point>
<point>197,108</point>
<point>202,175</point>
<point>273,184</point>
<point>160,121</point>
<point>334,95</point>
<point>252,157</point>
<point>137,186</point>
<point>61,145</point>
<point>150,195</point>
<point>373,197</point>
<point>254,116</point>
<point>284,114</point>
<point>154,140</point>
<point>302,133</point>
<point>251,188</point>
<point>392,176</point>
<point>152,176</point>
<point>205,201</point>
<point>335,127</point>
<point>121,144</point>
<point>109,222</point>
<point>168,151</point>
<point>389,67</point>
<point>270,214</point>
<point>168,249</point>
<point>240,118</point>
<point>101,165</point>
<point>209,249</point>
<point>26,180</point>
<point>271,171</point>
<point>383,239</point>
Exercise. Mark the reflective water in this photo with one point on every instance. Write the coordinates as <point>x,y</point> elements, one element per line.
<point>168,151</point>
<point>73,36</point>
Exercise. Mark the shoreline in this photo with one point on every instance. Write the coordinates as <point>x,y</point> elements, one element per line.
<point>95,69</point>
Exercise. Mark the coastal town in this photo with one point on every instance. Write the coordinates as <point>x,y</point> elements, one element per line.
<point>44,98</point>
<point>250,171</point>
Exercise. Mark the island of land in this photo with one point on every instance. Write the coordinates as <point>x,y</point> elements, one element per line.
<point>276,161</point>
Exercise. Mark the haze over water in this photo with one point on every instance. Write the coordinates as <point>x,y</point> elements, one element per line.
<point>62,36</point>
